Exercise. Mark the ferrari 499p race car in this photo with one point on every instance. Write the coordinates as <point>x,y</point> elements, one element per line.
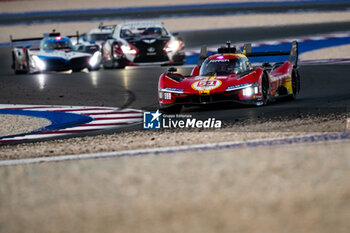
<point>142,43</point>
<point>55,53</point>
<point>229,76</point>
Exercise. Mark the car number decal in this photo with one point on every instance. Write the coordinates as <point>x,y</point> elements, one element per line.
<point>206,85</point>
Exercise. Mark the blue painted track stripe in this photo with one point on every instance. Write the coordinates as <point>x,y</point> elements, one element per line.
<point>304,46</point>
<point>59,120</point>
<point>70,120</point>
<point>331,137</point>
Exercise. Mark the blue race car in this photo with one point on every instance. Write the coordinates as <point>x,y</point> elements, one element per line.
<point>54,53</point>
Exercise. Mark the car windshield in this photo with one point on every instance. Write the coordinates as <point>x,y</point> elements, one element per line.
<point>57,45</point>
<point>221,67</point>
<point>99,36</point>
<point>128,32</point>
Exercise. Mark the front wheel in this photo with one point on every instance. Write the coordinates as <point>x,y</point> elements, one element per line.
<point>25,68</point>
<point>264,90</point>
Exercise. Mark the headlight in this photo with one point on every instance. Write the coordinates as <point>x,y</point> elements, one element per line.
<point>167,96</point>
<point>94,59</point>
<point>172,46</point>
<point>164,95</point>
<point>40,64</point>
<point>128,50</point>
<point>252,90</point>
<point>248,91</point>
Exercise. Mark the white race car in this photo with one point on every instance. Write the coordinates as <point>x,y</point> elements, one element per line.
<point>142,43</point>
<point>95,36</point>
<point>55,53</point>
<point>101,34</point>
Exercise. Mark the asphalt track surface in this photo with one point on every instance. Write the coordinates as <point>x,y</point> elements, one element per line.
<point>172,11</point>
<point>324,87</point>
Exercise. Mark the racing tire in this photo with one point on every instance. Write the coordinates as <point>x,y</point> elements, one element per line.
<point>19,71</point>
<point>14,65</point>
<point>15,70</point>
<point>113,66</point>
<point>104,62</point>
<point>171,109</point>
<point>265,89</point>
<point>119,66</point>
<point>107,67</point>
<point>295,85</point>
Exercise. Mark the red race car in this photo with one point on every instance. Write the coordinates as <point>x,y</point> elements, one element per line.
<point>228,76</point>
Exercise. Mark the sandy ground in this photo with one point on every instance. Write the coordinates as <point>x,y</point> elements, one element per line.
<point>334,52</point>
<point>239,131</point>
<point>15,124</point>
<point>298,188</point>
<point>185,23</point>
<point>197,24</point>
<point>49,5</point>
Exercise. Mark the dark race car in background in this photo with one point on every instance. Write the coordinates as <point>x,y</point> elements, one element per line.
<point>228,76</point>
<point>142,43</point>
<point>53,52</point>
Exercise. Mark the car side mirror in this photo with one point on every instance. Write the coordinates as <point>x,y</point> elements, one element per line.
<point>172,70</point>
<point>195,71</point>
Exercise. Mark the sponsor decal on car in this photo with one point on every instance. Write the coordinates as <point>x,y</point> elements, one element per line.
<point>206,85</point>
<point>172,89</point>
<point>235,87</point>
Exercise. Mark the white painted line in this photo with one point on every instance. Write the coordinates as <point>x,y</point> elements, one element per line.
<point>32,136</point>
<point>86,112</point>
<point>118,115</point>
<point>113,121</point>
<point>209,146</point>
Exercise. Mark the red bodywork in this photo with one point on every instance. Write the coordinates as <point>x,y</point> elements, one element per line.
<point>195,89</point>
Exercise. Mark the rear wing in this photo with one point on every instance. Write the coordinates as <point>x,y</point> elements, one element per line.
<point>22,40</point>
<point>110,27</point>
<point>293,53</point>
<point>53,33</point>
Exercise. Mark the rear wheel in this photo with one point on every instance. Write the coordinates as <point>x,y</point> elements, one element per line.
<point>14,66</point>
<point>112,64</point>
<point>295,85</point>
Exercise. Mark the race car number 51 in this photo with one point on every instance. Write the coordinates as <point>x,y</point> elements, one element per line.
<point>206,85</point>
